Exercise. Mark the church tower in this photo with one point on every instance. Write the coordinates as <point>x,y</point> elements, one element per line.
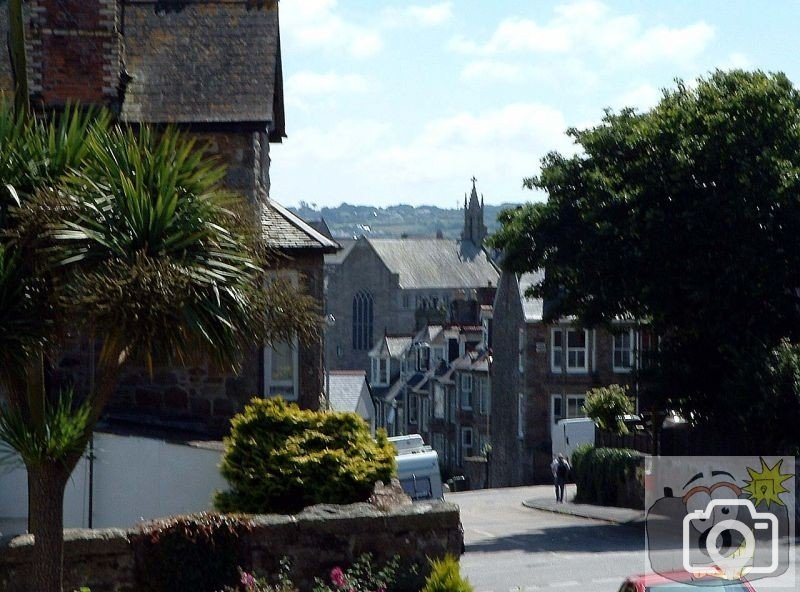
<point>474,228</point>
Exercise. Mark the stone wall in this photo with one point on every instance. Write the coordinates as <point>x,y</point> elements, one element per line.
<point>316,540</point>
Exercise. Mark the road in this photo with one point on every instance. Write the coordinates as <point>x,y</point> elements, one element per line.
<point>513,548</point>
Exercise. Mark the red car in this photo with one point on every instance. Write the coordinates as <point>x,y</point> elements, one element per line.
<point>681,582</point>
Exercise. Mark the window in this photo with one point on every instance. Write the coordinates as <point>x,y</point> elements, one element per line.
<point>466,443</point>
<point>556,350</point>
<point>425,414</point>
<point>406,301</point>
<point>413,404</point>
<point>521,350</point>
<point>466,391</point>
<point>572,409</point>
<point>423,358</point>
<point>438,401</point>
<point>484,400</point>
<point>451,404</point>
<point>577,350</point>
<point>438,355</point>
<point>520,416</point>
<point>280,370</point>
<point>646,348</point>
<point>362,321</point>
<point>556,408</point>
<point>623,351</point>
<point>572,346</point>
<point>380,371</point>
<point>438,444</point>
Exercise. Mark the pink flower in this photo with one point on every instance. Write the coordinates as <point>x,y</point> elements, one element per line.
<point>248,581</point>
<point>337,577</point>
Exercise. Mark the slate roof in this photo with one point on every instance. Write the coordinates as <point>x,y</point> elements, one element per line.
<point>531,307</point>
<point>436,263</point>
<point>337,258</point>
<point>395,345</point>
<point>204,61</point>
<point>346,388</point>
<point>284,230</point>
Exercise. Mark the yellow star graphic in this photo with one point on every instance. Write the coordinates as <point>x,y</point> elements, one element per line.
<point>767,485</point>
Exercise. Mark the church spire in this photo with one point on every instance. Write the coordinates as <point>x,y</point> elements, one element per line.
<point>474,228</point>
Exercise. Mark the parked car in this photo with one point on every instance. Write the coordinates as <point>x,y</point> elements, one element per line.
<point>682,582</point>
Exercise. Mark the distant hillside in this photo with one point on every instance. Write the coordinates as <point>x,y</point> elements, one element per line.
<point>347,221</point>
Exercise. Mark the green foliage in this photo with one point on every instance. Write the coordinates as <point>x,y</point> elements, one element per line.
<point>362,576</point>
<point>607,406</point>
<point>445,576</point>
<point>603,475</point>
<point>279,458</point>
<point>61,436</point>
<point>197,553</point>
<point>686,216</point>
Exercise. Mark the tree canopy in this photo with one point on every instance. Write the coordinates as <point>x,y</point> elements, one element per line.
<point>686,217</point>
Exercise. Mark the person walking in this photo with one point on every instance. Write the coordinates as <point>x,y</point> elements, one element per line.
<point>561,471</point>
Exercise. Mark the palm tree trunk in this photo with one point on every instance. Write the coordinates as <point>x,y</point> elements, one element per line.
<point>46,514</point>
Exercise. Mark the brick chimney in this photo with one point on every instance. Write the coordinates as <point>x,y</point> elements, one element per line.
<point>74,52</point>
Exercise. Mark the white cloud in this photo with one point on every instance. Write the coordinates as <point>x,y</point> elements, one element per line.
<point>736,60</point>
<point>642,98</point>
<point>315,24</point>
<point>309,84</point>
<point>417,15</point>
<point>588,28</point>
<point>492,70</point>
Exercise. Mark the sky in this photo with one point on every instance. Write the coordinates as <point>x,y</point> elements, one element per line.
<point>402,102</point>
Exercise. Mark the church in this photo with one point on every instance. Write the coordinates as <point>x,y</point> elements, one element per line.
<point>394,287</point>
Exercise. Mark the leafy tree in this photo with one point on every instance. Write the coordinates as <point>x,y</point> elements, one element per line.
<point>607,406</point>
<point>125,239</point>
<point>279,458</point>
<point>687,217</point>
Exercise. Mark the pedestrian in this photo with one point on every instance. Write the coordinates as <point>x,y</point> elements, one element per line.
<point>561,471</point>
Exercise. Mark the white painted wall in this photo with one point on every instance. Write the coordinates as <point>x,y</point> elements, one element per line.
<point>134,479</point>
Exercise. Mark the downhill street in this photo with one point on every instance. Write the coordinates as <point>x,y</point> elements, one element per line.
<point>511,547</point>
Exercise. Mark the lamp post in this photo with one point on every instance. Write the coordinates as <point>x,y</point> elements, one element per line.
<point>330,321</point>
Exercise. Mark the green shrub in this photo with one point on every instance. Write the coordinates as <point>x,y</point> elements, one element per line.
<point>602,475</point>
<point>197,553</point>
<point>607,405</point>
<point>362,576</point>
<point>280,459</point>
<point>446,576</point>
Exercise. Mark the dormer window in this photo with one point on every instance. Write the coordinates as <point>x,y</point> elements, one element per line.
<point>380,371</point>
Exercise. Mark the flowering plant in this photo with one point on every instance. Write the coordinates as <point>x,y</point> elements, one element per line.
<point>362,576</point>
<point>250,583</point>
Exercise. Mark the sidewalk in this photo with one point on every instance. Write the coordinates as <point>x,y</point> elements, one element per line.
<point>543,498</point>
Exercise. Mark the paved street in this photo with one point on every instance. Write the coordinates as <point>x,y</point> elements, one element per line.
<point>512,547</point>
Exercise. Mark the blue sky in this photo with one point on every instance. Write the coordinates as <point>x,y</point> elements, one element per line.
<point>392,102</point>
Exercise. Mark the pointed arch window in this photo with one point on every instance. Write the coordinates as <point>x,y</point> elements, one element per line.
<point>362,320</point>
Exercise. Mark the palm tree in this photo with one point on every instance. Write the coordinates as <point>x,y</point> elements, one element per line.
<point>126,239</point>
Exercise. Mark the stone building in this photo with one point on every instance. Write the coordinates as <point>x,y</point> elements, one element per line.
<point>396,286</point>
<point>214,69</point>
<point>541,372</point>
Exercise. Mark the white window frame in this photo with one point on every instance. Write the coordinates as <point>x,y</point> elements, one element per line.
<point>273,387</point>
<point>617,347</point>
<point>465,387</point>
<point>413,408</point>
<point>556,365</point>
<point>575,369</point>
<point>425,414</point>
<point>484,397</point>
<point>467,434</point>
<point>439,402</point>
<point>568,399</point>
<point>553,417</point>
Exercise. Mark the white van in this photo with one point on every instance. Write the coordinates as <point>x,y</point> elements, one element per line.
<point>418,468</point>
<point>568,434</point>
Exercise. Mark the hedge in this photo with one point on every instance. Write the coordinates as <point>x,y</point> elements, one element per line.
<point>608,476</point>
